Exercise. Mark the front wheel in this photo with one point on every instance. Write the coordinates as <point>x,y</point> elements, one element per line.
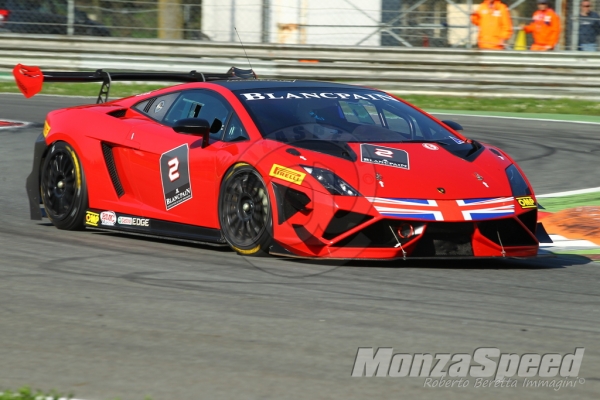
<point>245,211</point>
<point>62,187</point>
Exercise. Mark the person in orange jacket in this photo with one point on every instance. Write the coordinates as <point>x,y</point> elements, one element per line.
<point>545,27</point>
<point>495,26</point>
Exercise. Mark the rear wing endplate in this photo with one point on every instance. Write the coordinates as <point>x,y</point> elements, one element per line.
<point>31,79</point>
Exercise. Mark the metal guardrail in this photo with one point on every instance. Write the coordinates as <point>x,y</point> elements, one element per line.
<point>401,70</point>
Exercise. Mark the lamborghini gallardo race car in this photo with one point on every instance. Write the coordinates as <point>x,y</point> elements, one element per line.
<point>286,167</point>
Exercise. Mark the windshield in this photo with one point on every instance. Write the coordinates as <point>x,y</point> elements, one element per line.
<point>344,115</point>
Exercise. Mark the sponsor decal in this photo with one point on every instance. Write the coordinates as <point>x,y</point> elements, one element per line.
<point>287,174</point>
<point>526,202</point>
<point>140,222</point>
<point>175,176</point>
<point>430,146</point>
<point>375,96</point>
<point>457,140</point>
<point>133,221</point>
<point>125,221</point>
<point>484,367</point>
<point>47,128</point>
<point>108,218</point>
<point>92,218</point>
<point>384,156</point>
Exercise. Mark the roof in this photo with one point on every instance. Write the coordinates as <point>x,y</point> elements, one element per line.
<point>245,84</point>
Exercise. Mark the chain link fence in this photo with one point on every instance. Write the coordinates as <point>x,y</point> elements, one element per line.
<point>406,23</point>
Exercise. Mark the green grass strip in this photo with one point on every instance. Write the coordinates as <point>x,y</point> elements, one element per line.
<point>117,90</point>
<point>512,105</point>
<point>554,204</point>
<point>26,393</point>
<point>578,252</point>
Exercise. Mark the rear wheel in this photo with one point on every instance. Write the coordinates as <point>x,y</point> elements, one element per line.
<point>62,186</point>
<point>245,211</point>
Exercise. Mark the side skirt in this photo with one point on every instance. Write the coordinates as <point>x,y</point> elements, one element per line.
<point>125,223</point>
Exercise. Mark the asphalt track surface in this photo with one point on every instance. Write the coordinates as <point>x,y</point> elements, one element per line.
<point>105,316</point>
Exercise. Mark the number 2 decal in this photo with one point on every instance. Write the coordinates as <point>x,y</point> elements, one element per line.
<point>384,153</point>
<point>173,170</point>
<point>175,176</point>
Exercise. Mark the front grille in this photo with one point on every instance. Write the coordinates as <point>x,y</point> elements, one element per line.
<point>510,232</point>
<point>342,222</point>
<point>112,169</point>
<point>383,234</point>
<point>375,235</point>
<point>529,219</point>
<point>445,239</point>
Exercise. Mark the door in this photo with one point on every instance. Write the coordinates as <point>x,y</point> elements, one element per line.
<point>171,176</point>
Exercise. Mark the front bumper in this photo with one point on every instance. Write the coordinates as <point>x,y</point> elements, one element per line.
<point>338,227</point>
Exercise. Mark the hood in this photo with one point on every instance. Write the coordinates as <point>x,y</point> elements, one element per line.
<point>417,170</point>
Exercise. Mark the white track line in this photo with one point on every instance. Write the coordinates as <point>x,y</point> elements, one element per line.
<point>569,193</point>
<point>561,242</point>
<point>521,118</point>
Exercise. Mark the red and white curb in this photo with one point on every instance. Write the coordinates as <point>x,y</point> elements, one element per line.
<point>8,123</point>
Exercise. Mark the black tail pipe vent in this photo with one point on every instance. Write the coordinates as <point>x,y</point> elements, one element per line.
<point>112,169</point>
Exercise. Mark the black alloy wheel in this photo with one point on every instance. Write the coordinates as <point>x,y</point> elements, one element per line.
<point>245,211</point>
<point>62,187</point>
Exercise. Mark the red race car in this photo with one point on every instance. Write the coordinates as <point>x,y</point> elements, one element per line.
<point>286,167</point>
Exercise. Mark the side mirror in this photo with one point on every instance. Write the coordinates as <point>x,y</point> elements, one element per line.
<point>194,126</point>
<point>454,125</point>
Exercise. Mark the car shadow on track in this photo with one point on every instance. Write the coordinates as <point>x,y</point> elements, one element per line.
<point>552,262</point>
<point>548,261</point>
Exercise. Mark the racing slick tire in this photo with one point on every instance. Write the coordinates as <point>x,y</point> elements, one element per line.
<point>245,211</point>
<point>63,188</point>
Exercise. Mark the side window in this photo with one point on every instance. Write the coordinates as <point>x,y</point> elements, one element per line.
<point>157,107</point>
<point>235,130</point>
<point>200,104</point>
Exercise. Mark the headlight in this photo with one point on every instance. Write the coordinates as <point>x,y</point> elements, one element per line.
<point>330,181</point>
<point>517,183</point>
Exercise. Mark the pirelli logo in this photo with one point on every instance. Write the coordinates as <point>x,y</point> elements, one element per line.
<point>526,202</point>
<point>287,174</point>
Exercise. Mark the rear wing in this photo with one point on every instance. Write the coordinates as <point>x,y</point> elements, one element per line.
<point>31,79</point>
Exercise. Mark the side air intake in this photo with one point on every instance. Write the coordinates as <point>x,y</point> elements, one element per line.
<point>112,169</point>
